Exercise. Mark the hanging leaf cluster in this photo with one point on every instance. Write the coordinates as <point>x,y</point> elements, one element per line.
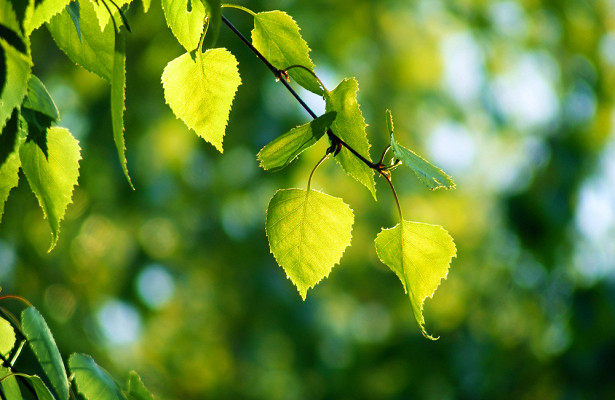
<point>308,231</point>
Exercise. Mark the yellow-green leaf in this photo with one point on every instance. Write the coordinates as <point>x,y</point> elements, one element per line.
<point>285,148</point>
<point>200,92</point>
<point>52,177</point>
<point>41,12</point>
<point>308,232</point>
<point>7,338</point>
<point>185,18</point>
<point>118,99</point>
<point>11,138</point>
<point>349,125</point>
<point>276,35</point>
<point>420,255</point>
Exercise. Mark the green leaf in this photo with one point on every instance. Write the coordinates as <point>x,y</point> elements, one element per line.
<point>285,148</point>
<point>276,35</point>
<point>420,255</point>
<point>200,92</point>
<point>118,98</point>
<point>146,4</point>
<point>10,140</point>
<point>349,126</point>
<point>103,7</point>
<point>93,50</point>
<point>75,14</point>
<point>44,348</point>
<point>42,391</point>
<point>52,178</point>
<point>213,13</point>
<point>430,175</point>
<point>136,388</point>
<point>93,382</point>
<point>9,385</point>
<point>15,60</point>
<point>42,12</point>
<point>38,99</point>
<point>185,18</point>
<point>7,338</point>
<point>308,232</point>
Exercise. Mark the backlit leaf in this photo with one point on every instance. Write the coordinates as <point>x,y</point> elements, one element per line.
<point>430,175</point>
<point>118,98</point>
<point>420,255</point>
<point>185,18</point>
<point>17,62</point>
<point>276,35</point>
<point>285,148</point>
<point>10,140</point>
<point>9,385</point>
<point>52,177</point>
<point>38,99</point>
<point>200,92</point>
<point>93,382</point>
<point>94,50</point>
<point>44,348</point>
<point>42,12</point>
<point>136,389</point>
<point>7,338</point>
<point>349,126</point>
<point>308,232</point>
<point>102,8</point>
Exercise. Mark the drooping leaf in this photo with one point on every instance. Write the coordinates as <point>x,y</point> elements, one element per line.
<point>200,92</point>
<point>430,175</point>
<point>93,50</point>
<point>276,35</point>
<point>42,12</point>
<point>75,14</point>
<point>16,62</point>
<point>349,126</point>
<point>213,13</point>
<point>52,178</point>
<point>118,99</point>
<point>10,140</point>
<point>136,389</point>
<point>7,338</point>
<point>44,348</point>
<point>285,148</point>
<point>102,8</point>
<point>308,232</point>
<point>185,18</point>
<point>9,385</point>
<point>420,255</point>
<point>38,99</point>
<point>93,382</point>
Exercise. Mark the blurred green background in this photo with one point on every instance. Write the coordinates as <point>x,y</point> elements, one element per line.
<point>514,99</point>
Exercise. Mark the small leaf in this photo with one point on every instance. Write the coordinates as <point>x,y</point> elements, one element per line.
<point>42,391</point>
<point>308,232</point>
<point>42,12</point>
<point>9,385</point>
<point>16,63</point>
<point>136,388</point>
<point>285,148</point>
<point>118,99</point>
<point>201,92</point>
<point>430,175</point>
<point>420,255</point>
<point>44,348</point>
<point>38,99</point>
<point>52,178</point>
<point>93,49</point>
<point>276,35</point>
<point>185,18</point>
<point>7,338</point>
<point>93,382</point>
<point>349,125</point>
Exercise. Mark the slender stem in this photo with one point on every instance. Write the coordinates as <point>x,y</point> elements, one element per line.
<point>16,297</point>
<point>388,178</point>
<point>278,73</point>
<point>315,167</point>
<point>384,153</point>
<point>238,7</point>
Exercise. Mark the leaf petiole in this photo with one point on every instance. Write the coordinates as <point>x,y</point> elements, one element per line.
<point>238,7</point>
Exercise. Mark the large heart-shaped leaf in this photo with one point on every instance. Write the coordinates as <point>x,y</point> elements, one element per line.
<point>308,232</point>
<point>420,255</point>
<point>200,92</point>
